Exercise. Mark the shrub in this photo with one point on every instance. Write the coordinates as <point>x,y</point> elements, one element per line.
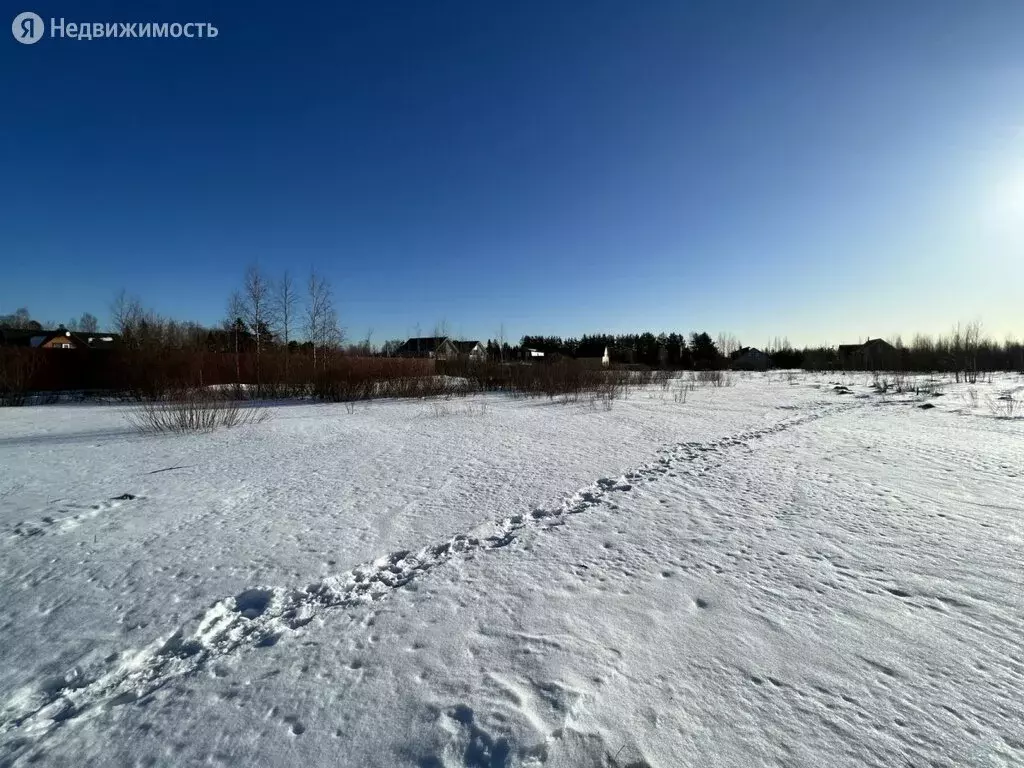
<point>972,397</point>
<point>17,369</point>
<point>662,378</point>
<point>1005,406</point>
<point>930,388</point>
<point>193,410</point>
<point>440,410</point>
<point>714,378</point>
<point>565,380</point>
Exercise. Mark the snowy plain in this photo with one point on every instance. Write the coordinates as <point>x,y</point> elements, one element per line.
<point>771,573</point>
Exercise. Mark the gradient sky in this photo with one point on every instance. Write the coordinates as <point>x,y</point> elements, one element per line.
<point>819,170</point>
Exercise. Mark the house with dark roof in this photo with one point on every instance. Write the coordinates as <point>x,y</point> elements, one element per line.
<point>433,347</point>
<point>442,348</point>
<point>751,359</point>
<point>872,355</point>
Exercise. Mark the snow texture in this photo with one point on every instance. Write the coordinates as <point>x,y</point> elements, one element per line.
<point>795,570</point>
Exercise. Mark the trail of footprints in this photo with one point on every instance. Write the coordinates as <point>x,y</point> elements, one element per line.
<point>68,517</point>
<point>261,616</point>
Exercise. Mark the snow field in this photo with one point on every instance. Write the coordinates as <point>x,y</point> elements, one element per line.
<point>787,581</point>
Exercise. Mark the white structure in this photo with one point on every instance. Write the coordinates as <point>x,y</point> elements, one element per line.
<point>605,360</point>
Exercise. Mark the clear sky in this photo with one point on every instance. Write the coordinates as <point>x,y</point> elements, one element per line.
<point>819,170</point>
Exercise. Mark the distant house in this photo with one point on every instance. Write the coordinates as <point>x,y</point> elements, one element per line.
<point>529,353</point>
<point>873,354</point>
<point>433,347</point>
<point>752,359</point>
<point>471,350</point>
<point>58,339</point>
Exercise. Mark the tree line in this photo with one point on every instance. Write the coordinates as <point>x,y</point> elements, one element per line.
<point>664,350</point>
<point>286,317</point>
<point>21,319</point>
<point>964,349</point>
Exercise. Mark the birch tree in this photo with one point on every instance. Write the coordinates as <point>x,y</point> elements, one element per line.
<point>257,305</point>
<point>285,306</point>
<point>235,311</point>
<point>321,320</point>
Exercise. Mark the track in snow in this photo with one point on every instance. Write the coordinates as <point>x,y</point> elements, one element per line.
<point>262,615</point>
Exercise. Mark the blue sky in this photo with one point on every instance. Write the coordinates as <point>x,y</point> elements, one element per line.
<point>818,170</point>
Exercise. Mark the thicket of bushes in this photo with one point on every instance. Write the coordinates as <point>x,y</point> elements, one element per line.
<point>151,374</point>
<point>154,371</point>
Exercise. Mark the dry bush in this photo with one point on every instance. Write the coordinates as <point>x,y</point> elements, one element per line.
<point>1005,406</point>
<point>475,409</point>
<point>930,388</point>
<point>440,410</point>
<point>194,410</point>
<point>712,378</point>
<point>348,379</point>
<point>662,378</point>
<point>897,382</point>
<point>17,369</point>
<point>609,388</point>
<point>972,397</point>
<point>708,377</point>
<point>565,381</point>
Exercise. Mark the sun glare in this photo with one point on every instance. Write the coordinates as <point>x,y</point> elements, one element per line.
<point>1006,206</point>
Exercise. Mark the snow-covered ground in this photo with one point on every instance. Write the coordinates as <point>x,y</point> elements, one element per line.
<point>773,573</point>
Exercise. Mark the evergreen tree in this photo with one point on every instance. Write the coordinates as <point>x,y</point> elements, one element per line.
<point>705,352</point>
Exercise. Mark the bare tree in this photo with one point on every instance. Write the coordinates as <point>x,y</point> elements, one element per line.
<point>332,334</point>
<point>390,347</point>
<point>284,307</point>
<point>235,311</point>
<point>256,301</point>
<point>956,350</point>
<point>88,323</point>
<point>316,299</point>
<point>972,342</point>
<point>366,345</point>
<point>20,319</point>
<point>126,312</point>
<point>129,318</point>
<point>257,305</point>
<point>321,321</point>
<point>727,344</point>
<point>501,342</point>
